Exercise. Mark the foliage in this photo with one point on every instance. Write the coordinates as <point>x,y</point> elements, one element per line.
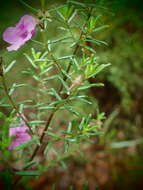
<point>59,82</point>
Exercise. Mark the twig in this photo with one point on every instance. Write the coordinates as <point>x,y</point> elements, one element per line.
<point>54,60</point>
<point>43,134</point>
<point>77,46</point>
<point>54,111</point>
<point>11,100</point>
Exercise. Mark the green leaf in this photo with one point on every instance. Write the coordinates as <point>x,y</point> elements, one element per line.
<point>62,81</point>
<point>14,86</point>
<point>28,173</point>
<point>77,3</point>
<point>28,164</point>
<point>124,144</point>
<point>46,70</point>
<point>75,64</point>
<point>59,40</point>
<point>9,67</point>
<point>66,13</point>
<point>98,42</point>
<point>36,122</point>
<point>54,93</point>
<point>46,107</point>
<point>65,57</point>
<point>53,135</point>
<point>100,28</point>
<point>81,98</point>
<point>25,101</point>
<point>72,16</point>
<point>92,70</point>
<point>100,68</point>
<point>48,147</point>
<point>2,115</point>
<point>34,140</point>
<point>88,48</point>
<point>70,109</point>
<point>30,61</point>
<point>28,6</point>
<point>66,74</point>
<point>86,86</point>
<point>69,127</point>
<point>80,126</point>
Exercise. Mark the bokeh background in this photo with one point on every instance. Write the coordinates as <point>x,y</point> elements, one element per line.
<point>116,162</point>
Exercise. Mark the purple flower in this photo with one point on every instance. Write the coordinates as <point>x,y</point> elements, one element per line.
<point>20,136</point>
<point>21,33</point>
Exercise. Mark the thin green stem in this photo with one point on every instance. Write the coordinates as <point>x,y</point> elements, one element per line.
<point>52,114</point>
<point>50,53</point>
<point>43,134</point>
<point>54,60</point>
<point>72,35</point>
<point>43,4</point>
<point>28,6</point>
<point>77,46</point>
<point>13,103</point>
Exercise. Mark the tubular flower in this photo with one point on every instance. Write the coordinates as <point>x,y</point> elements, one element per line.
<point>20,136</point>
<point>20,33</point>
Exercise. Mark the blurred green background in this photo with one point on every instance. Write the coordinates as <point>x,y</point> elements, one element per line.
<point>116,161</point>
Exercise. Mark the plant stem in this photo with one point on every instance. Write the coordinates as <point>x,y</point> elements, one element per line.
<point>42,4</point>
<point>54,111</point>
<point>57,65</point>
<point>43,134</point>
<point>60,89</point>
<point>54,60</point>
<point>13,103</point>
<point>77,46</point>
<point>28,6</point>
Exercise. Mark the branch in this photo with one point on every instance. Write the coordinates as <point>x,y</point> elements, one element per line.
<point>10,98</point>
<point>54,111</point>
<point>60,89</point>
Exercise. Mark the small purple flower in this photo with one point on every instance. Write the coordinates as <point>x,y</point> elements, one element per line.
<point>21,33</point>
<point>20,136</point>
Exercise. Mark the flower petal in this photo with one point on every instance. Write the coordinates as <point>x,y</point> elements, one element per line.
<point>15,46</point>
<point>28,22</point>
<point>24,137</point>
<point>21,139</point>
<point>21,33</point>
<point>19,43</point>
<point>14,144</point>
<point>15,130</point>
<point>10,35</point>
